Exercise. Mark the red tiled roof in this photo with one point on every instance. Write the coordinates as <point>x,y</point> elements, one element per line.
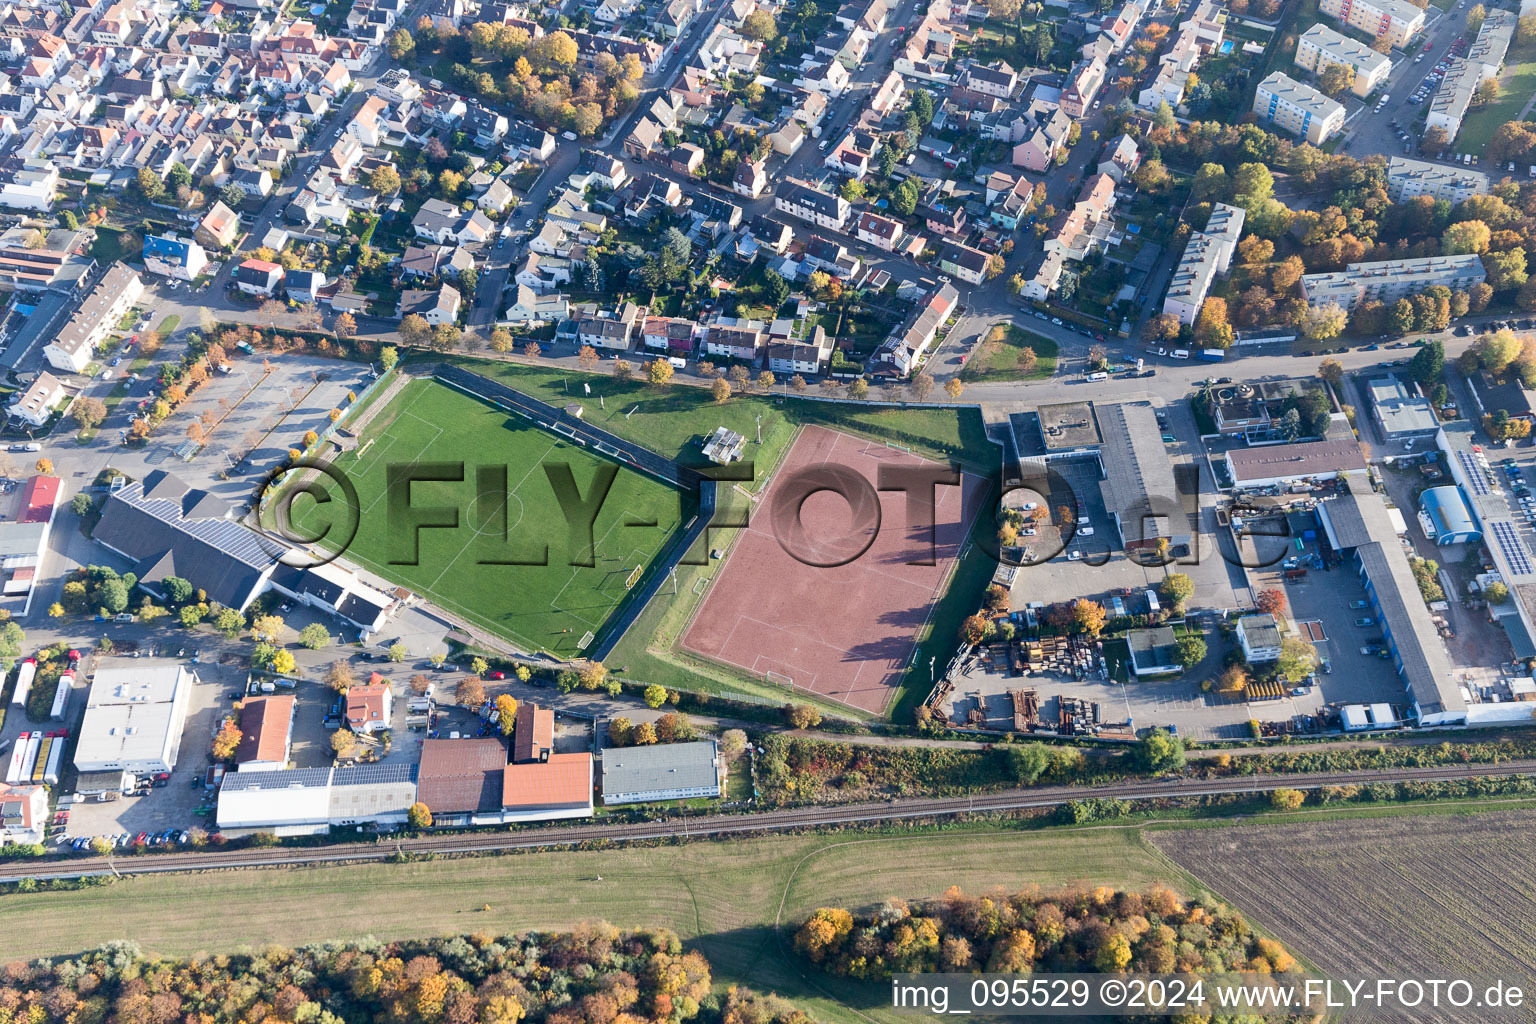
<point>534,736</point>
<point>366,703</point>
<point>38,499</point>
<point>264,725</point>
<point>460,775</point>
<point>565,780</point>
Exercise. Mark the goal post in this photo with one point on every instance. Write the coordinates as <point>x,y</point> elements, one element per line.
<point>634,577</point>
<point>899,447</point>
<point>779,679</point>
<point>586,641</point>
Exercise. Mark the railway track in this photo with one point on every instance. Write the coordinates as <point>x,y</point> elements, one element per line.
<point>744,824</point>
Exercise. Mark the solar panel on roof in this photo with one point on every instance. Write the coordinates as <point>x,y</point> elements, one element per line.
<point>1476,472</point>
<point>1514,549</point>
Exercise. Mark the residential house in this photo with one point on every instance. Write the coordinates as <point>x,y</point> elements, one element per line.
<point>370,706</point>
<point>439,306</point>
<point>180,259</point>
<point>881,232</point>
<point>74,346</point>
<point>528,306</point>
<point>969,265</point>
<point>750,179</point>
<point>219,227</point>
<point>39,401</point>
<point>258,277</point>
<point>809,204</point>
<point>611,330</point>
<point>733,338</point>
<point>909,342</point>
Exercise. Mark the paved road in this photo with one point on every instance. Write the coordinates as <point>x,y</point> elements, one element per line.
<point>721,825</point>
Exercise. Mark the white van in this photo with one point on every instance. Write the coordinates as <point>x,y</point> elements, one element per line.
<point>1094,378</point>
<point>1152,605</point>
<point>681,364</point>
<point>1180,353</point>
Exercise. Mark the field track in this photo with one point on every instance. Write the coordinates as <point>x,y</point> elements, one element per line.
<point>742,824</point>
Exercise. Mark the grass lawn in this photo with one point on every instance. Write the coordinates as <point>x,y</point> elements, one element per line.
<point>1515,88</point>
<point>540,607</point>
<point>724,898</point>
<point>168,326</point>
<point>1003,362</point>
<point>108,246</point>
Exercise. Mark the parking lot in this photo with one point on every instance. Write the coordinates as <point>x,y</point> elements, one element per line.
<point>257,412</point>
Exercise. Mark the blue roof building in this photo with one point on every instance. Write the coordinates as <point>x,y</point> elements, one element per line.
<point>1447,515</point>
<point>169,256</point>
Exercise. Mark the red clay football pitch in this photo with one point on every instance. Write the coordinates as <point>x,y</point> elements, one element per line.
<point>844,632</point>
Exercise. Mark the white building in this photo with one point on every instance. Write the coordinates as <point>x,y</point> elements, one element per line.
<point>820,208</point>
<point>666,771</point>
<point>36,404</point>
<point>1408,179</point>
<point>1321,46</point>
<point>1395,20</point>
<point>1298,108</point>
<point>1259,636</point>
<point>73,348</point>
<point>1207,255</point>
<point>1389,280</point>
<point>134,715</point>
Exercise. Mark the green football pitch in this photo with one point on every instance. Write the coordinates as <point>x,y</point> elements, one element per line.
<point>462,569</point>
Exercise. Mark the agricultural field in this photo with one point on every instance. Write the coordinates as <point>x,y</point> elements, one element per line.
<point>465,566</point>
<point>726,899</point>
<point>1408,895</point>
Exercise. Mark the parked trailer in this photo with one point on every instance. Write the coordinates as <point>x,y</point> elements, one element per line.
<point>55,762</point>
<point>24,681</point>
<point>61,695</point>
<point>1213,355</point>
<point>34,744</point>
<point>40,766</point>
<point>13,772</point>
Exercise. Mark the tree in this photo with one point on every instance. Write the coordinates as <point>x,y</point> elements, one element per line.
<point>226,741</point>
<point>1088,616</point>
<point>345,326</point>
<point>654,696</point>
<point>1027,762</point>
<point>954,388</point>
<point>401,46</point>
<point>720,390</point>
<point>419,816</point>
<point>1270,602</point>
<point>384,179</point>
<point>45,467</point>
<point>190,615</point>
<point>1495,593</point>
<point>1177,589</point>
<point>1212,329</point>
<point>398,652</point>
<point>733,743</point>
<point>1324,322</point>
<point>88,412</point>
<point>801,716</point>
<point>389,356</point>
<point>229,622</point>
<point>340,675</point>
<point>974,629</point>
<point>620,731</point>
<point>470,693</point>
<point>1190,650</point>
<point>343,744</point>
<point>858,388</point>
<point>314,636</point>
<point>414,329</point>
<point>904,197</point>
<point>643,735</point>
<point>623,369</point>
<point>284,663</point>
<point>1297,659</point>
<point>1335,79</point>
<point>1232,681</point>
<point>1475,19</point>
<point>506,713</point>
<point>151,187</point>
<point>1159,752</point>
<point>659,372</point>
<point>1331,370</point>
<point>1286,799</point>
<point>922,386</point>
<point>1467,236</point>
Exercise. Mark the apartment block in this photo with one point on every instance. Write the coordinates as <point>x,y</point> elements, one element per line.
<point>1321,46</point>
<point>1397,20</point>
<point>1297,108</point>
<point>1482,61</point>
<point>1408,179</point>
<point>1208,254</point>
<point>1390,280</point>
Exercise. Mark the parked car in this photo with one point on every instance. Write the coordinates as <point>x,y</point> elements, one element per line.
<point>1358,605</point>
<point>1365,620</point>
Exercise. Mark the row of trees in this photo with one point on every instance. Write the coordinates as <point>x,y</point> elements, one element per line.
<point>592,973</point>
<point>1022,933</point>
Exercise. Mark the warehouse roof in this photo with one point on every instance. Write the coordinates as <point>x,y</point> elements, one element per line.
<point>461,775</point>
<point>659,769</point>
<point>565,780</point>
<point>1293,461</point>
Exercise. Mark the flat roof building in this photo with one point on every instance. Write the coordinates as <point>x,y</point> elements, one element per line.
<point>666,771</point>
<point>1359,525</point>
<point>1408,179</point>
<point>1395,20</point>
<point>1207,255</point>
<point>134,714</point>
<point>1138,488</point>
<point>307,801</point>
<point>73,348</point>
<point>1282,464</point>
<point>1398,411</point>
<point>1482,61</point>
<point>1387,281</point>
<point>1321,46</point>
<point>1297,108</point>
